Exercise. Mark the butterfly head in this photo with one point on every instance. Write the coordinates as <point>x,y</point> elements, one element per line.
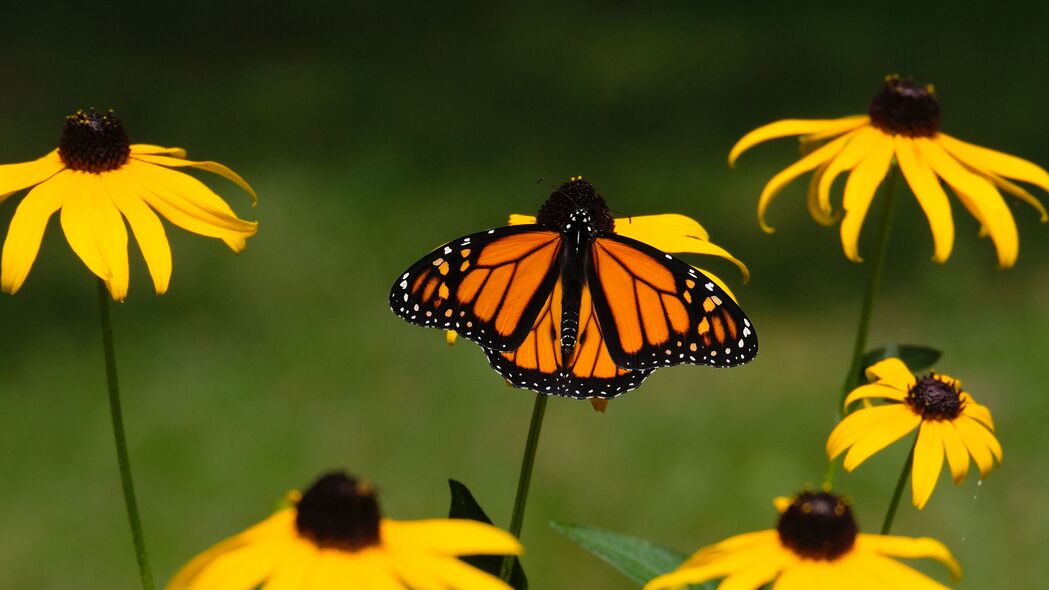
<point>576,203</point>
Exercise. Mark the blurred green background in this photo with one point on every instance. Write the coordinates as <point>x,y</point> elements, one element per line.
<point>374,132</point>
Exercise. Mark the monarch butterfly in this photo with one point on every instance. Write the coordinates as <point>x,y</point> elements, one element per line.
<point>567,307</point>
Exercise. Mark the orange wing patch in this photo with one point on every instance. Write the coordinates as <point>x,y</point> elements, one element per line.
<point>590,373</point>
<point>488,287</point>
<point>656,310</point>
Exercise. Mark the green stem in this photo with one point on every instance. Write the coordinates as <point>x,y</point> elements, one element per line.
<point>525,479</point>
<point>121,441</point>
<point>890,514</point>
<point>852,378</point>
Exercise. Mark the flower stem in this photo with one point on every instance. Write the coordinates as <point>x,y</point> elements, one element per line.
<point>525,479</point>
<point>121,441</point>
<point>890,514</point>
<point>863,328</point>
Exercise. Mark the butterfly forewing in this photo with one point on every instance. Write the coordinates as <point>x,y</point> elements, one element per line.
<point>489,287</point>
<point>657,311</point>
<point>537,364</point>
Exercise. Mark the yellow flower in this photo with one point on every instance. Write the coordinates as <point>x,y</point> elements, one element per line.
<point>97,178</point>
<point>335,537</point>
<point>815,546</point>
<point>903,121</point>
<point>948,420</point>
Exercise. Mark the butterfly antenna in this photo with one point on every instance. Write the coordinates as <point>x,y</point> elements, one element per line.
<point>557,189</point>
<point>622,214</point>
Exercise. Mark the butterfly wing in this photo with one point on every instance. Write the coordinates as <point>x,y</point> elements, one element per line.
<point>538,364</point>
<point>657,311</point>
<point>489,287</point>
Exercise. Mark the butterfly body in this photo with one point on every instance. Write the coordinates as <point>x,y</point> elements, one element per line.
<point>566,306</point>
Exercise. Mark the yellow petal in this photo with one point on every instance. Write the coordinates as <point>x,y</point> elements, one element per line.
<point>804,575</point>
<point>77,219</point>
<point>245,566</point>
<point>880,436</point>
<point>717,280</point>
<point>756,576</point>
<point>978,438</point>
<point>187,203</point>
<point>857,424</point>
<point>292,571</point>
<point>979,196</point>
<point>847,124</point>
<point>145,148</point>
<point>213,167</point>
<point>111,235</point>
<point>874,391</point>
<point>812,200</point>
<point>15,177</point>
<point>998,162</point>
<point>893,373</point>
<point>859,191</point>
<point>670,232</point>
<point>910,548</point>
<point>412,574</point>
<point>368,569</point>
<point>27,229</point>
<point>519,219</point>
<point>858,148</point>
<point>450,336</point>
<point>1015,190</point>
<point>450,537</point>
<point>148,230</point>
<point>788,127</point>
<point>784,177</point>
<point>954,448</point>
<point>884,572</point>
<point>977,411</point>
<point>927,190</point>
<point>458,574</point>
<point>928,460</point>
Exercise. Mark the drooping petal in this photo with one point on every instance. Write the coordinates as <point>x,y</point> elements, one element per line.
<point>788,127</point>
<point>979,196</point>
<point>848,124</point>
<point>928,460</point>
<point>977,436</point>
<point>15,177</point>
<point>189,204</point>
<point>244,566</point>
<point>756,576</point>
<point>77,220</point>
<point>889,573</point>
<point>954,448</point>
<point>148,149</point>
<point>450,537</point>
<point>880,436</point>
<point>27,229</point>
<point>859,191</point>
<point>1000,163</point>
<point>927,190</point>
<point>910,548</point>
<point>893,373</point>
<point>111,236</point>
<point>294,569</point>
<point>458,574</point>
<point>874,391</point>
<point>858,148</point>
<point>148,230</point>
<point>369,569</point>
<point>804,575</point>
<point>414,575</point>
<point>857,424</point>
<point>977,411</point>
<point>810,162</point>
<point>812,199</point>
<point>1015,190</point>
<point>213,167</point>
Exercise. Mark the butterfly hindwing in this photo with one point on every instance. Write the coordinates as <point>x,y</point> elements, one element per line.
<point>657,311</point>
<point>489,286</point>
<point>537,364</point>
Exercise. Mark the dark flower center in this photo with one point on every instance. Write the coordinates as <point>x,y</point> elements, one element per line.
<point>904,107</point>
<point>818,525</point>
<point>339,512</point>
<point>93,142</point>
<point>573,198</point>
<point>935,398</point>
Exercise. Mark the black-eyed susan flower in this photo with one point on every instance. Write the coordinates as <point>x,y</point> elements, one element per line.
<point>97,178</point>
<point>903,122</point>
<point>948,420</point>
<point>334,536</point>
<point>815,546</point>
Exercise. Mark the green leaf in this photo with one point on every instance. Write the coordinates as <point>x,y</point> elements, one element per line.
<point>464,505</point>
<point>916,357</point>
<point>638,559</point>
